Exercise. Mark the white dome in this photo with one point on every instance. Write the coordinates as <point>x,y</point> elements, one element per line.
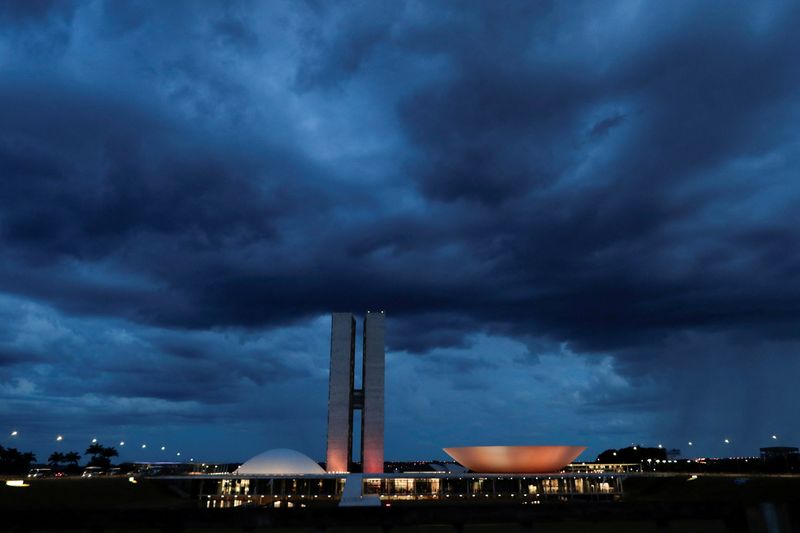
<point>280,461</point>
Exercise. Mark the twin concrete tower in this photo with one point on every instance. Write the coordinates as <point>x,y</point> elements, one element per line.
<point>344,399</point>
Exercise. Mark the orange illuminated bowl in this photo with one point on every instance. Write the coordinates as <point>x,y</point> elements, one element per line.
<point>515,459</point>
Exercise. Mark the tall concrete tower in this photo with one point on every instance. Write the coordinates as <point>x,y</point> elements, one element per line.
<point>373,381</point>
<point>344,398</point>
<point>340,396</point>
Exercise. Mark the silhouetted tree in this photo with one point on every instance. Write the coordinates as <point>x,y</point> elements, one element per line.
<point>101,455</point>
<point>72,458</point>
<point>110,452</point>
<point>94,449</point>
<point>55,459</point>
<point>632,454</point>
<point>12,461</point>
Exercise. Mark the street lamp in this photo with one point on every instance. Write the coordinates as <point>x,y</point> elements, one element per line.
<point>14,433</point>
<point>59,438</point>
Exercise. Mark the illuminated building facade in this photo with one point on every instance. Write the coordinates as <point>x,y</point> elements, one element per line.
<point>396,489</point>
<point>344,398</point>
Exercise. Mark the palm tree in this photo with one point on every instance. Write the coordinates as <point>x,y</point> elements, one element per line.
<point>94,449</point>
<point>101,455</point>
<point>12,461</point>
<point>28,458</point>
<point>72,458</point>
<point>55,459</point>
<point>109,452</point>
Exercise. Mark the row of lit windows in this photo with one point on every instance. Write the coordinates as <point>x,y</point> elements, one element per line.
<point>281,487</point>
<point>437,487</point>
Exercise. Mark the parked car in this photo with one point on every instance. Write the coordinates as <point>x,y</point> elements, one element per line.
<point>40,472</point>
<point>93,471</point>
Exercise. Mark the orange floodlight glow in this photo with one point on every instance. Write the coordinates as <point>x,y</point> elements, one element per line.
<point>515,459</point>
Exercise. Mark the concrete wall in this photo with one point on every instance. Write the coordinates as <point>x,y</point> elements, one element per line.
<point>340,385</point>
<point>374,370</point>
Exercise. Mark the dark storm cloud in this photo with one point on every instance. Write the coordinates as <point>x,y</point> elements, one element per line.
<point>136,175</point>
<point>589,255</point>
<point>12,356</point>
<point>25,10</point>
<point>586,180</point>
<point>604,126</point>
<point>341,52</point>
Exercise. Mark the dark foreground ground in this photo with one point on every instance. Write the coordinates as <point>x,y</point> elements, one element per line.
<point>658,504</point>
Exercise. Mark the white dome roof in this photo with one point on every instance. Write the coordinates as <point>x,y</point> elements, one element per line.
<point>280,461</point>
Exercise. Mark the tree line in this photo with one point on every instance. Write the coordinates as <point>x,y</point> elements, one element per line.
<point>13,461</point>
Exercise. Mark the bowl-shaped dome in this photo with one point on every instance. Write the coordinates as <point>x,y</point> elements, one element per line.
<point>280,461</point>
<point>515,459</point>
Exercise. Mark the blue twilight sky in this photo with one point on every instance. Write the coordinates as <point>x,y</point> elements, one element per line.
<point>580,217</point>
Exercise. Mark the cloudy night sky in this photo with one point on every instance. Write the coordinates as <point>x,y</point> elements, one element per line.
<point>581,219</point>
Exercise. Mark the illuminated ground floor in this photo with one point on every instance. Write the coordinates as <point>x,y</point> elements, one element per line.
<point>394,489</point>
